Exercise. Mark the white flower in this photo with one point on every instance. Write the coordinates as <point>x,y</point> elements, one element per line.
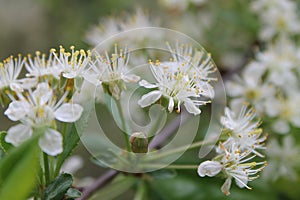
<point>38,111</point>
<point>277,17</point>
<point>244,131</point>
<point>184,80</point>
<point>10,70</point>
<point>233,163</point>
<point>40,66</point>
<point>283,111</point>
<point>72,64</point>
<point>111,72</point>
<point>280,59</point>
<point>283,159</point>
<point>250,87</point>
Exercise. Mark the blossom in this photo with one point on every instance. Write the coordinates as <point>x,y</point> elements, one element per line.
<point>250,87</point>
<point>283,159</point>
<point>111,72</point>
<point>233,163</point>
<point>243,130</point>
<point>10,70</point>
<point>37,111</point>
<point>183,80</point>
<point>39,65</point>
<point>73,64</point>
<point>277,17</point>
<point>283,111</point>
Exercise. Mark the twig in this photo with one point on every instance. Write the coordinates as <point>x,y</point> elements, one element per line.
<point>158,140</point>
<point>100,182</point>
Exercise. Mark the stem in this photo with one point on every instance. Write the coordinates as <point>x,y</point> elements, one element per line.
<point>172,166</point>
<point>57,168</point>
<point>179,149</point>
<point>46,168</point>
<point>123,124</point>
<point>101,182</point>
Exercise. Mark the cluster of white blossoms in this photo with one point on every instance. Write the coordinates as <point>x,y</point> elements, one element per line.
<point>240,143</point>
<point>270,82</point>
<point>184,80</point>
<point>277,17</point>
<point>45,95</point>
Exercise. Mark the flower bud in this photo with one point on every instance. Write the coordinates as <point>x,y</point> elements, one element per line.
<point>139,143</point>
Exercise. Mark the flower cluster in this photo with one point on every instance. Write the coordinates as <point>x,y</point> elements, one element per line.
<point>271,84</point>
<point>45,95</point>
<point>278,17</point>
<point>184,80</point>
<point>241,142</point>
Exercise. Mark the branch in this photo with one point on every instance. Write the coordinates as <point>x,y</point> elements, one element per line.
<point>99,183</point>
<point>158,140</point>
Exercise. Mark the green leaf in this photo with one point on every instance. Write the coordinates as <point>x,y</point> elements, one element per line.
<point>115,189</point>
<point>18,170</point>
<point>4,145</point>
<point>58,187</point>
<point>71,140</point>
<point>73,193</point>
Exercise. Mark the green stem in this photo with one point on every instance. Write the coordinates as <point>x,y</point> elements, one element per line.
<point>178,150</point>
<point>123,125</point>
<point>171,166</point>
<point>56,168</point>
<point>46,169</point>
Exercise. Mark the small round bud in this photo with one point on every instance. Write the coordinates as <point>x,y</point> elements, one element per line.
<point>139,143</point>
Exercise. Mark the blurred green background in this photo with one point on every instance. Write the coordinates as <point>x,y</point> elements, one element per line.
<point>30,25</point>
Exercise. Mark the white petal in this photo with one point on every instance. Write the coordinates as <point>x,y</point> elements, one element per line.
<point>146,84</point>
<point>209,168</point>
<point>132,78</point>
<point>17,110</point>
<point>51,143</point>
<point>171,104</point>
<point>149,98</point>
<point>16,87</point>
<point>43,92</point>
<point>18,134</point>
<point>226,186</point>
<point>191,107</point>
<point>68,112</point>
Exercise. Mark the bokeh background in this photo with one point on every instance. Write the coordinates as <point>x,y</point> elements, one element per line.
<point>227,29</point>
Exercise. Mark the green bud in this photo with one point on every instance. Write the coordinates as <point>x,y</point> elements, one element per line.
<point>139,142</point>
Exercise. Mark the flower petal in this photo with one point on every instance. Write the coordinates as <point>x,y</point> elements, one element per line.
<point>68,112</point>
<point>209,168</point>
<point>131,78</point>
<point>226,186</point>
<point>18,134</point>
<point>171,104</point>
<point>149,98</point>
<point>17,110</point>
<point>146,84</point>
<point>43,92</point>
<point>51,143</point>
<point>191,107</point>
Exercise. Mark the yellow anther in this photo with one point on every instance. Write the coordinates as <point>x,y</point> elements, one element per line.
<point>37,53</point>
